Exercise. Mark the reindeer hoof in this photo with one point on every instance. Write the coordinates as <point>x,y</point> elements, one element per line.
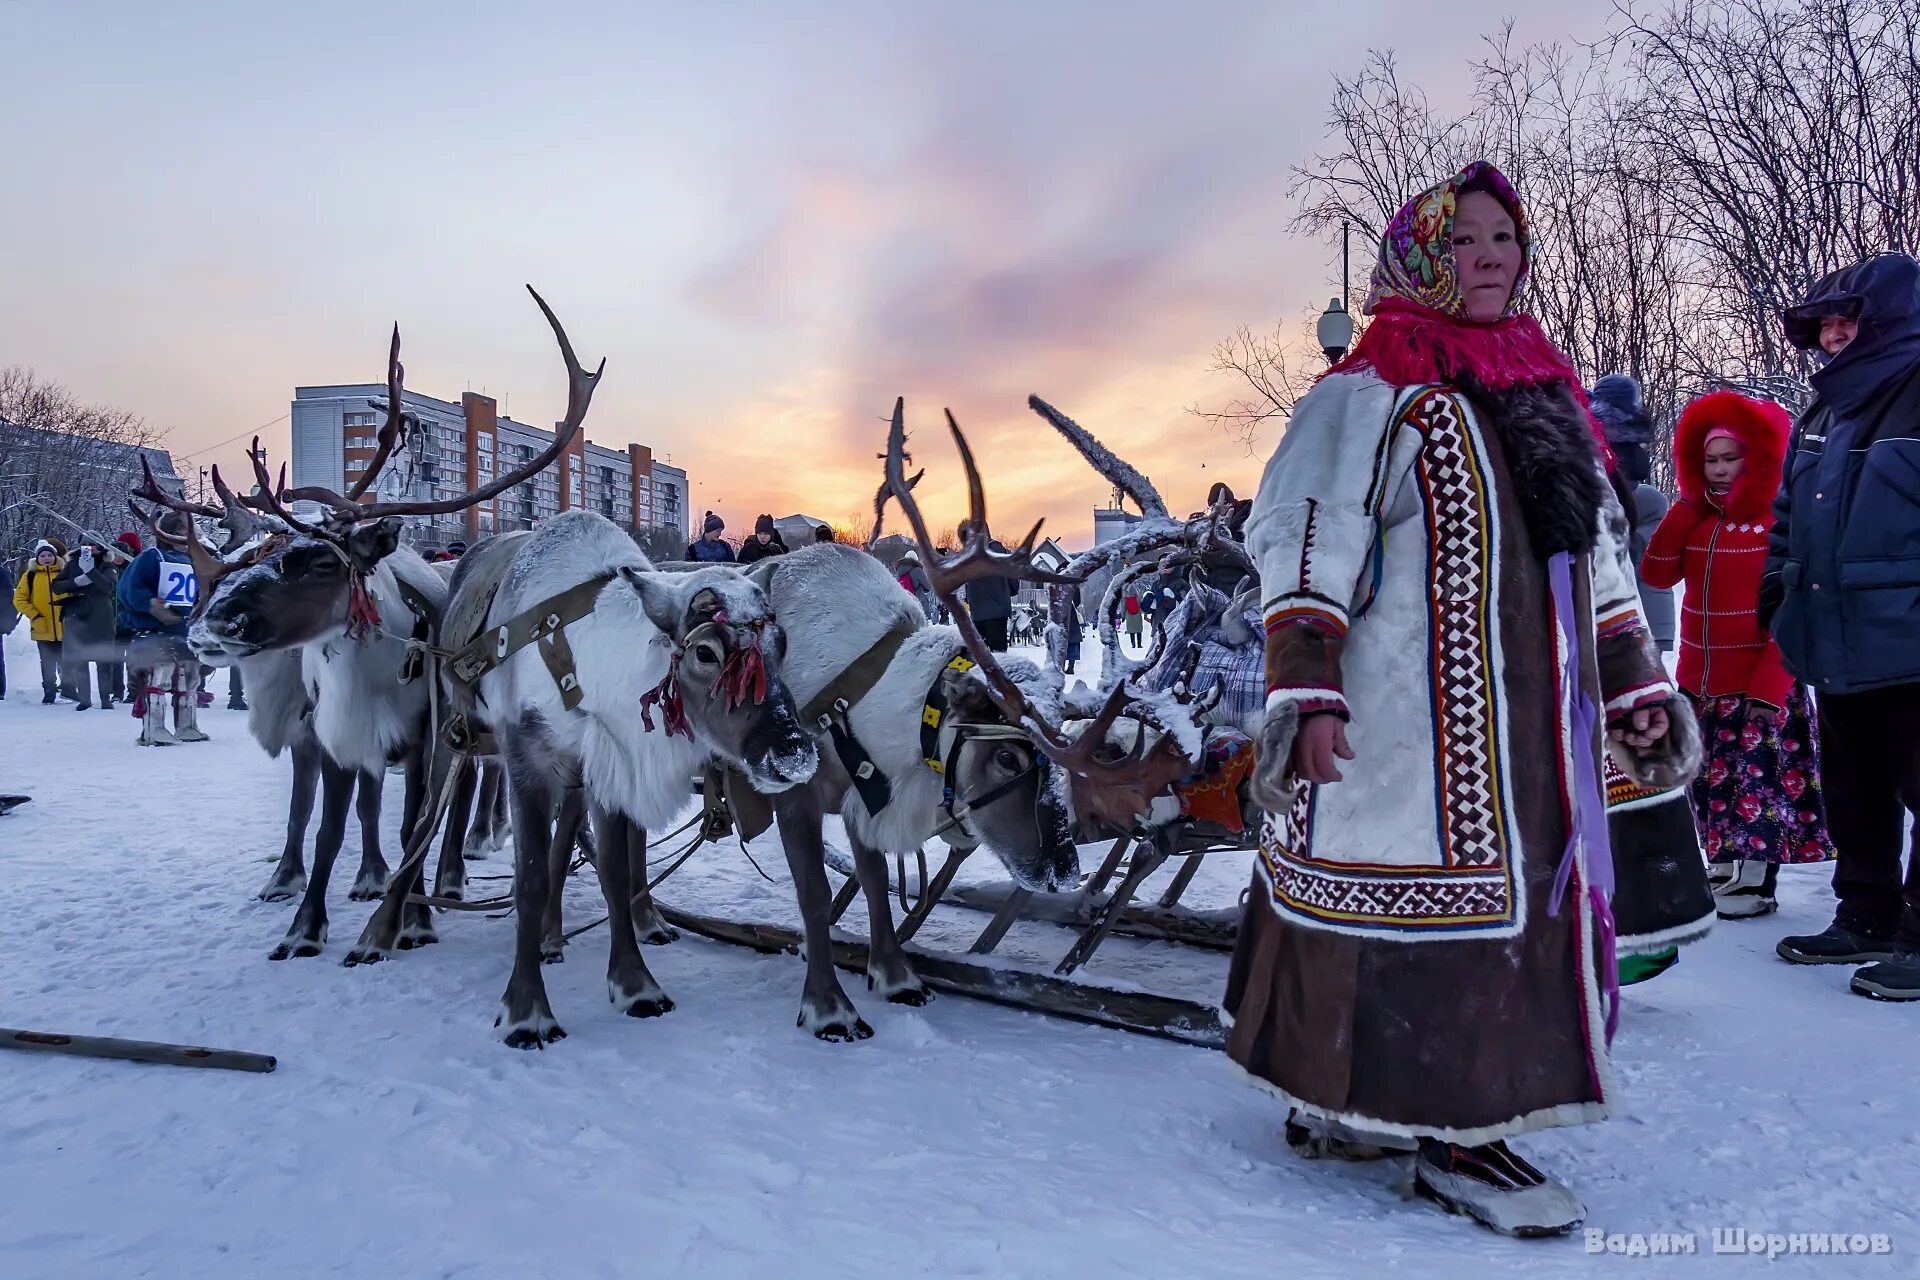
<point>364,955</point>
<point>914,996</point>
<point>529,1038</point>
<point>365,890</point>
<point>659,935</point>
<point>841,1033</point>
<point>553,953</point>
<point>842,1026</point>
<point>294,948</point>
<point>282,890</point>
<point>651,1007</point>
<point>536,1031</point>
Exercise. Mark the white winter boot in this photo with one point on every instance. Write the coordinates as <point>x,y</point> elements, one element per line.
<point>153,717</point>
<point>186,705</point>
<point>1748,893</point>
<point>1496,1188</point>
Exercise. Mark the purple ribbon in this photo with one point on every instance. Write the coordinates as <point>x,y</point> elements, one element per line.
<point>1587,823</point>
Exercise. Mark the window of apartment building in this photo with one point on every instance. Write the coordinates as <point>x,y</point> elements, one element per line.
<point>356,419</point>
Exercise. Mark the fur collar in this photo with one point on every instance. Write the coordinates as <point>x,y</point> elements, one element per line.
<point>1760,425</point>
<point>1553,459</point>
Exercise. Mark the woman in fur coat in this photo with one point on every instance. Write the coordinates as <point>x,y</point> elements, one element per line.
<point>1424,961</point>
<point>1757,801</point>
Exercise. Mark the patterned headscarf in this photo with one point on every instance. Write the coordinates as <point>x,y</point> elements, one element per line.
<point>1416,253</point>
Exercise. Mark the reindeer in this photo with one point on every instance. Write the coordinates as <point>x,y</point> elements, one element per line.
<point>357,607</point>
<point>277,714</point>
<point>981,770</point>
<point>664,669</point>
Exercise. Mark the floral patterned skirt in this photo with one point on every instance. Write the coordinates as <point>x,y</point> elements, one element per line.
<point>1758,794</point>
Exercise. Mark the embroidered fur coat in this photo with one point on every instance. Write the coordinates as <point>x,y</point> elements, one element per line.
<point>1415,959</point>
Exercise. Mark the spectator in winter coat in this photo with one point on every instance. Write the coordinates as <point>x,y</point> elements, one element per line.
<point>711,549</point>
<point>1757,800</point>
<point>1842,592</point>
<point>9,619</point>
<point>990,602</point>
<point>88,621</point>
<point>912,578</point>
<point>1623,416</point>
<point>128,547</point>
<point>766,541</point>
<point>40,603</point>
<point>160,666</point>
<point>1063,609</point>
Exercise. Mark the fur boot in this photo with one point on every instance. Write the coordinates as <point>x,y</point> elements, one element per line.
<point>156,689</point>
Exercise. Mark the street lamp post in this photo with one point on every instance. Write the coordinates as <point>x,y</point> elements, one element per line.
<point>1335,330</point>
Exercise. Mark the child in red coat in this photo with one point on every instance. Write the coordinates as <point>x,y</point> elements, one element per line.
<point>1757,801</point>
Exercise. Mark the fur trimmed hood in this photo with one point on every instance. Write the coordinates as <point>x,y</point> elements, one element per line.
<point>1761,425</point>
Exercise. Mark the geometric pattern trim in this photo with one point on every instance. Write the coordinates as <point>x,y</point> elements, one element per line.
<point>1470,891</point>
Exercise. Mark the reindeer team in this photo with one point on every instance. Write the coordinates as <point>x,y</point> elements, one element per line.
<point>602,684</point>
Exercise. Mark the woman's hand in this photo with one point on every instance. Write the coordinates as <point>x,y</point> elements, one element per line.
<point>1641,729</point>
<point>1321,739</point>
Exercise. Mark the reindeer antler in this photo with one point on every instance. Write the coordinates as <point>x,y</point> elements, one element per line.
<point>1119,790</point>
<point>350,510</point>
<point>207,566</point>
<point>1123,476</point>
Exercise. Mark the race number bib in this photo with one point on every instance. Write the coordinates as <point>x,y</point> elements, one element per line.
<point>179,589</point>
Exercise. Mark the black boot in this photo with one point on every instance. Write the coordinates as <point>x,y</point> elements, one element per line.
<point>1837,945</point>
<point>1890,979</point>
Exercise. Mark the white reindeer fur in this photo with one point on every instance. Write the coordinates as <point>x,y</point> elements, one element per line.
<point>276,698</point>
<point>362,714</point>
<point>619,654</point>
<point>835,603</point>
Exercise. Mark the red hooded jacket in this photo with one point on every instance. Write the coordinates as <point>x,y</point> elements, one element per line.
<point>1718,545</point>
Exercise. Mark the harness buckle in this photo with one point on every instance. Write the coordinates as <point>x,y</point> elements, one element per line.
<point>500,642</point>
<point>865,770</point>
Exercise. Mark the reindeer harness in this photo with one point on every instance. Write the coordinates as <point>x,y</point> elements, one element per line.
<point>829,710</point>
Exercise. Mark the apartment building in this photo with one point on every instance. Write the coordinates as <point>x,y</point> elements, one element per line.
<point>459,446</point>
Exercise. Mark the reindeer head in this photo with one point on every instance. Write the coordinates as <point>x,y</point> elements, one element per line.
<point>1014,798</point>
<point>723,688</point>
<point>295,589</point>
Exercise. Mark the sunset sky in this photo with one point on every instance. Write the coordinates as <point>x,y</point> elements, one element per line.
<point>771,219</point>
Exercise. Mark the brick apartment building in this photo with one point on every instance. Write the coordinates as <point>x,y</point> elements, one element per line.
<point>459,447</point>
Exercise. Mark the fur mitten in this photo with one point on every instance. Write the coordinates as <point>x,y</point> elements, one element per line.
<point>1271,784</point>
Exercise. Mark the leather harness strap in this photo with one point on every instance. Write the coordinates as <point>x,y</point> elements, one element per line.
<point>544,624</point>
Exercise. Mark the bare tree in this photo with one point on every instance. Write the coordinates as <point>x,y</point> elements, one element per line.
<point>65,467</point>
<point>1784,137</point>
<point>1687,179</point>
<point>1271,373</point>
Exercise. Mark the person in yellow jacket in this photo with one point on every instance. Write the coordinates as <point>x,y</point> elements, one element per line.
<point>39,604</point>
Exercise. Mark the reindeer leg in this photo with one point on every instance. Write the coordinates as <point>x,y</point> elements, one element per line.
<point>483,834</point>
<point>425,772</point>
<point>553,943</point>
<point>290,876</point>
<point>889,973</point>
<point>398,924</point>
<point>824,1007</point>
<point>525,1015</point>
<point>308,932</point>
<point>372,880</point>
<point>630,986</point>
<point>450,876</point>
<point>652,927</point>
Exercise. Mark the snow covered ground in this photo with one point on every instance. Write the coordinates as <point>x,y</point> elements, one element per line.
<point>400,1137</point>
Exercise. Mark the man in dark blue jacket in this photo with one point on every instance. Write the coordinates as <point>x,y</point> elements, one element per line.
<point>155,599</point>
<point>1842,594</point>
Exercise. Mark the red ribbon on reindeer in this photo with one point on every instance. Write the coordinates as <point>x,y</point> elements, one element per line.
<point>363,616</point>
<point>742,676</point>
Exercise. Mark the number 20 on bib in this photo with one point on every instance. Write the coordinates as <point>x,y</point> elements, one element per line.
<point>179,588</point>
